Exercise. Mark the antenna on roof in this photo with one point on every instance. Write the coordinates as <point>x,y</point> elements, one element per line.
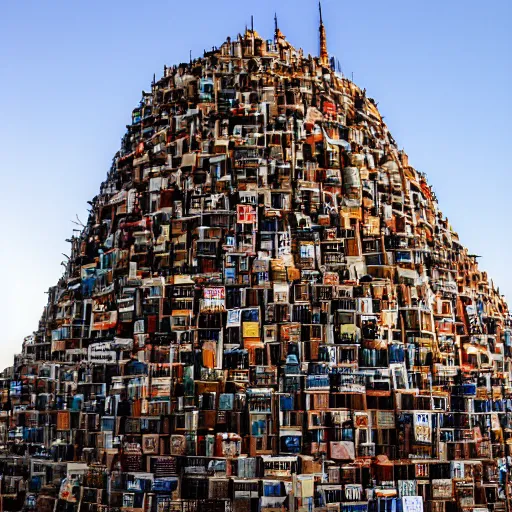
<point>190,56</point>
<point>252,23</point>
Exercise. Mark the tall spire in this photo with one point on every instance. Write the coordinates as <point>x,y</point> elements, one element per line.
<point>278,35</point>
<point>324,56</point>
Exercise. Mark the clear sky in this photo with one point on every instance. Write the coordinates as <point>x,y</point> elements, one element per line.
<point>72,71</point>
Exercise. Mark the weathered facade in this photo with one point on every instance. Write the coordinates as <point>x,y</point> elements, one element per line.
<point>266,311</point>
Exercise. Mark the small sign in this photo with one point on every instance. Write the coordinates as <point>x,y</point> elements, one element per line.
<point>102,353</point>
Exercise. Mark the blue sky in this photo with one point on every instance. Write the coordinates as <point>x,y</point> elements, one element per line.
<point>71,72</point>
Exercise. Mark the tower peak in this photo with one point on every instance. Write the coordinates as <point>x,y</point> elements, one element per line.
<point>324,56</point>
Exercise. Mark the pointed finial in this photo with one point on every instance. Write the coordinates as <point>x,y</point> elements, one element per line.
<point>252,23</point>
<point>277,32</point>
<point>324,56</point>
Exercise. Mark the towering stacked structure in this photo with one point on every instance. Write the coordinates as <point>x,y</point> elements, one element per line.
<point>265,311</point>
